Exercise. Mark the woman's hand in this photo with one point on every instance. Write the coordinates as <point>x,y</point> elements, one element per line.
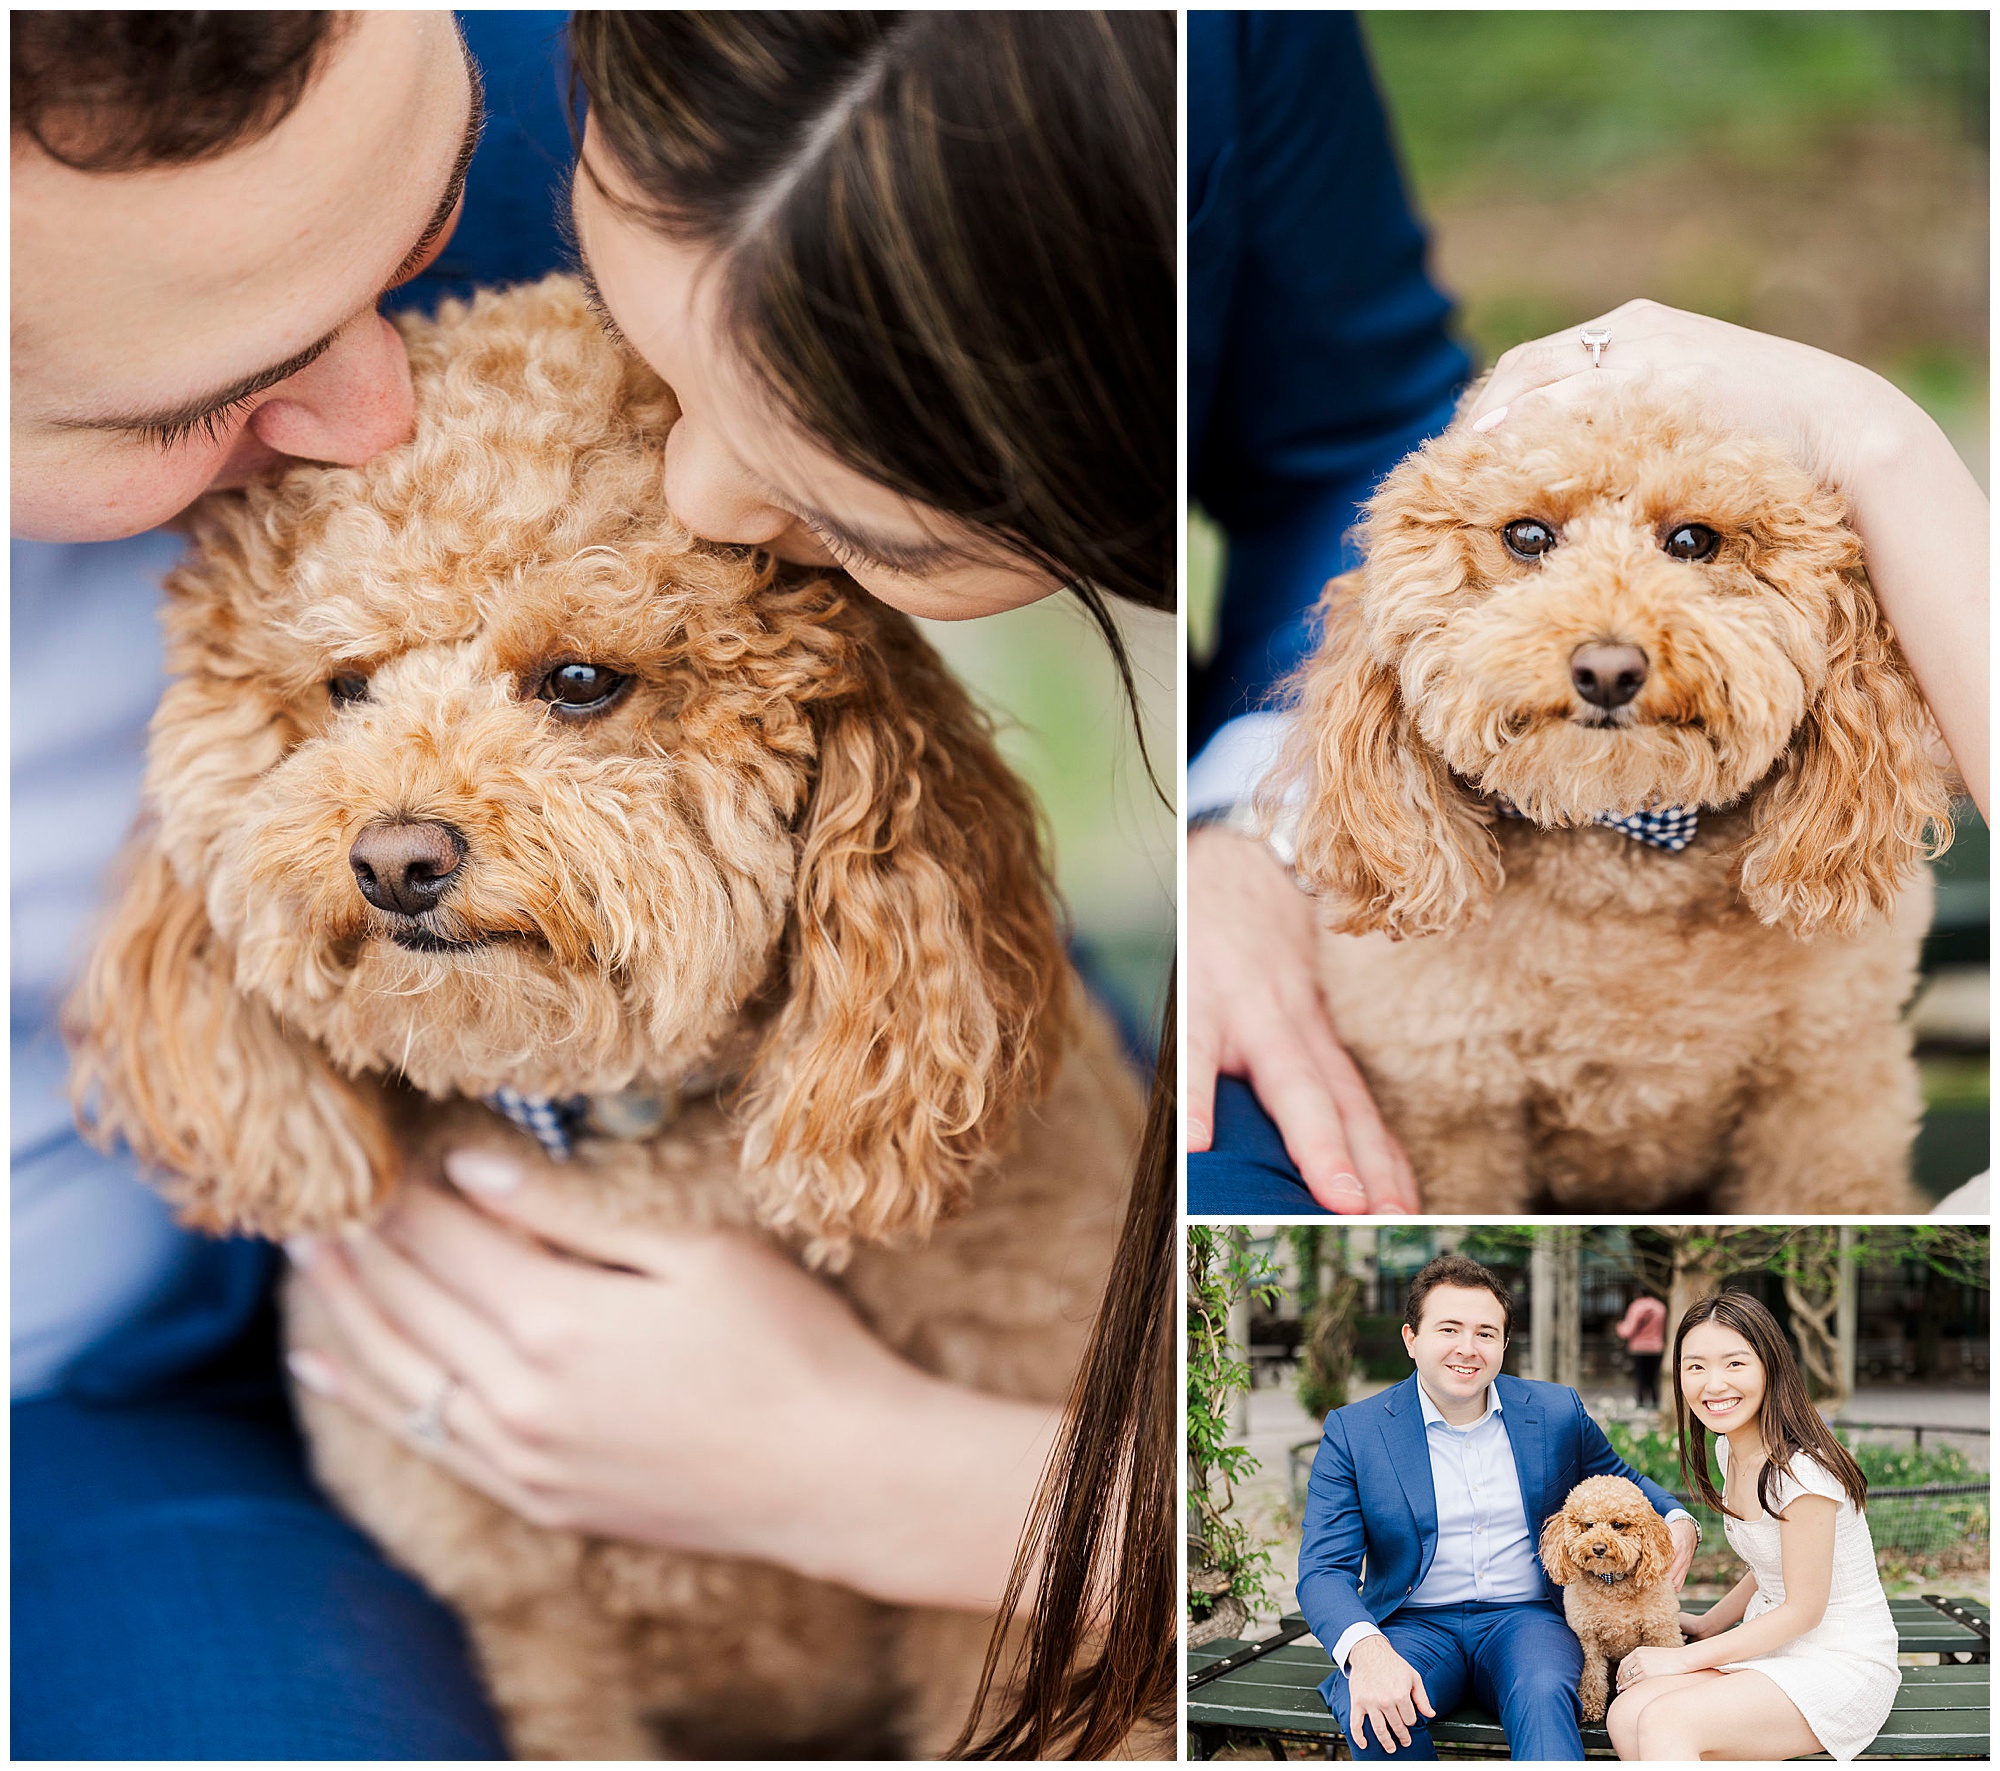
<point>1920,514</point>
<point>1695,1625</point>
<point>695,1390</point>
<point>1255,1012</point>
<point>1652,1663</point>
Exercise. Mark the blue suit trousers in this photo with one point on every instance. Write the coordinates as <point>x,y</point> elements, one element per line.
<point>1521,1661</point>
<point>181,1591</point>
<point>1246,1172</point>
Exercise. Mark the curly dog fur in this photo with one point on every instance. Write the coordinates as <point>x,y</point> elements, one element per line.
<point>781,868</point>
<point>1587,1020</point>
<point>1610,1552</point>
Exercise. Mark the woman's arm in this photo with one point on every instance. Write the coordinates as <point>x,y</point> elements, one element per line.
<point>1724,1612</point>
<point>693,1390</point>
<point>1805,1542</point>
<point>1922,519</point>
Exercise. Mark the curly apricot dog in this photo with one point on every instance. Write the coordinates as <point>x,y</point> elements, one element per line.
<point>1610,719</point>
<point>1610,1552</point>
<point>479,774</point>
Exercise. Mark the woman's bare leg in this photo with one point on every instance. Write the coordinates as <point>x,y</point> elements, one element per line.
<point>1741,1715</point>
<point>1621,1722</point>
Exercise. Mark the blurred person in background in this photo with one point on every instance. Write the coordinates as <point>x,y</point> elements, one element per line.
<point>1643,1329</point>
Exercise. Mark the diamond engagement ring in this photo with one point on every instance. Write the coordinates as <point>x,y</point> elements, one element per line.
<point>1594,339</point>
<point>426,1422</point>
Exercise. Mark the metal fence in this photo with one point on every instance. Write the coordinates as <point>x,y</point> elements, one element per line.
<point>1941,1528</point>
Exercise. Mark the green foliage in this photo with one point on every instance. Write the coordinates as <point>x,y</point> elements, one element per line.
<point>1555,101</point>
<point>1224,1556</point>
<point>1326,1363</point>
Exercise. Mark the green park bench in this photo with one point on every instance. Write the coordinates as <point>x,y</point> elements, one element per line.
<point>1268,1693</point>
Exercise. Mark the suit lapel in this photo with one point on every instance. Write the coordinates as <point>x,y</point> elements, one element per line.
<point>1410,1457</point>
<point>1527,1435</point>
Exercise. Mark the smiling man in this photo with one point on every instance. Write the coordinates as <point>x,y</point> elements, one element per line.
<point>207,211</point>
<point>1419,1571</point>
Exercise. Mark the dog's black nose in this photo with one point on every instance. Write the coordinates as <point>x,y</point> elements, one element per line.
<point>1606,675</point>
<point>406,867</point>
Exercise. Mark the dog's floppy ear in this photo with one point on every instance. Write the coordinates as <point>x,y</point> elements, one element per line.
<point>1656,1548</point>
<point>1555,1548</point>
<point>927,990</point>
<point>1858,800</point>
<point>1383,830</point>
<point>251,1130</point>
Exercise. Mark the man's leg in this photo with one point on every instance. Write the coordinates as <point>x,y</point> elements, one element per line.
<point>181,1591</point>
<point>1525,1663</point>
<point>1432,1642</point>
<point>1246,1171</point>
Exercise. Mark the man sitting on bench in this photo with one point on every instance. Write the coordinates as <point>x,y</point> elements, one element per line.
<point>1419,1570</point>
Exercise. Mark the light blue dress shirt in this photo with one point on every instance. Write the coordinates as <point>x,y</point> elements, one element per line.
<point>92,1245</point>
<point>1485,1551</point>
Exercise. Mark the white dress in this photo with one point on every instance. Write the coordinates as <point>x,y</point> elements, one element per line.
<point>1842,1672</point>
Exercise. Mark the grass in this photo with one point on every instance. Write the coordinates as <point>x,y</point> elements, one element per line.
<point>1560,101</point>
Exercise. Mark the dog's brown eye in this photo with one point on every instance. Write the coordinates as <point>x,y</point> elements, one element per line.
<point>1528,539</point>
<point>1692,541</point>
<point>345,689</point>
<point>582,688</point>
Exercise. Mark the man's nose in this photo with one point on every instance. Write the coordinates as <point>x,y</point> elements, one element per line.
<point>709,492</point>
<point>346,406</point>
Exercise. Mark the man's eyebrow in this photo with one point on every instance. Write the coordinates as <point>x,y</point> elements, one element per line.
<point>207,405</point>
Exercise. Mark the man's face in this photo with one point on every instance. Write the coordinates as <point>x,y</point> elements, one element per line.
<point>179,328</point>
<point>1459,1342</point>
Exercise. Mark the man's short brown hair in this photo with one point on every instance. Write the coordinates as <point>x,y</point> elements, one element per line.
<point>121,91</point>
<point>1456,1269</point>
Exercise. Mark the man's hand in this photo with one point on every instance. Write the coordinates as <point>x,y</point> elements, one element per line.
<point>1383,1688</point>
<point>1683,1532</point>
<point>1255,1012</point>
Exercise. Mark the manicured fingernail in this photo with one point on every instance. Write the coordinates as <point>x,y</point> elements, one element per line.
<point>1347,1186</point>
<point>483,1171</point>
<point>1391,1211</point>
<point>1491,421</point>
<point>301,1251</point>
<point>314,1372</point>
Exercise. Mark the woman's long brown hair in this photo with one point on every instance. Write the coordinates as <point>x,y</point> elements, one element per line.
<point>1101,1646</point>
<point>1787,1421</point>
<point>948,251</point>
<point>948,245</point>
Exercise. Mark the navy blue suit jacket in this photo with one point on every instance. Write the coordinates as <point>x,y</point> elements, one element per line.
<point>1371,1510</point>
<point>1317,350</point>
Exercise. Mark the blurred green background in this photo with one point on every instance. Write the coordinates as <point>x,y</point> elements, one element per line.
<point>1821,175</point>
<point>1047,677</point>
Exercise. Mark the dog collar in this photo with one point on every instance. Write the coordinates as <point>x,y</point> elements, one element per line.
<point>1610,1580</point>
<point>630,1114</point>
<point>1670,828</point>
